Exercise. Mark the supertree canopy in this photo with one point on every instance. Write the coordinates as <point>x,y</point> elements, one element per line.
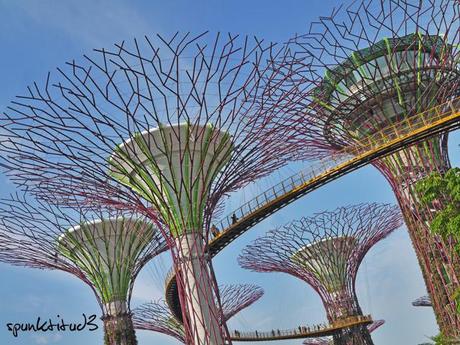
<point>359,74</point>
<point>165,129</point>
<point>423,301</point>
<point>325,251</point>
<point>329,341</point>
<point>106,251</point>
<point>157,317</point>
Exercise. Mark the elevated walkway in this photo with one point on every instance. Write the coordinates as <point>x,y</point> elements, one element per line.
<point>442,118</point>
<point>301,331</point>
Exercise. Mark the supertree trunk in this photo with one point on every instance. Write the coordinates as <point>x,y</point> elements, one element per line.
<point>186,159</point>
<point>118,326</point>
<point>343,307</point>
<point>358,335</point>
<point>438,260</point>
<point>197,288</point>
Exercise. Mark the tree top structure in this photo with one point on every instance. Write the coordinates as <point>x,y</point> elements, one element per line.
<point>157,317</point>
<point>137,125</point>
<point>165,128</point>
<point>326,250</point>
<point>104,250</point>
<point>368,66</point>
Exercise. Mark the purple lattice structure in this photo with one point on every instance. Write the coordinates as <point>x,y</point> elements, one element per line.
<point>104,250</point>
<point>157,317</point>
<point>235,298</point>
<point>360,74</point>
<point>325,251</point>
<point>163,127</point>
<point>424,301</point>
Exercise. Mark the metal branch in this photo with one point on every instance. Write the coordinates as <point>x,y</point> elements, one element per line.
<point>157,317</point>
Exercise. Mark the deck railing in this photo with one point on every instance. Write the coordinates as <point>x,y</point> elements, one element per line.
<point>301,331</point>
<point>401,129</point>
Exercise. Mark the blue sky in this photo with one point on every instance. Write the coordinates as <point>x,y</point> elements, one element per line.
<point>37,36</point>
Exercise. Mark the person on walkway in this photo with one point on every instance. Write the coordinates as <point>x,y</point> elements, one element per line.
<point>214,231</point>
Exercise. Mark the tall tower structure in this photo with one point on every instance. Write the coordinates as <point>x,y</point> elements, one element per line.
<point>182,161</point>
<point>104,252</point>
<point>325,251</point>
<point>163,127</point>
<point>361,73</point>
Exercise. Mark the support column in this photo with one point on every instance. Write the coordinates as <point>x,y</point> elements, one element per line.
<point>198,291</point>
<point>118,325</point>
<point>358,335</point>
<point>438,260</point>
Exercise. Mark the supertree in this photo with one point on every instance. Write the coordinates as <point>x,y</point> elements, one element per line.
<point>359,74</point>
<point>165,129</point>
<point>326,250</point>
<point>104,250</point>
<point>329,341</point>
<point>157,317</point>
<point>423,301</point>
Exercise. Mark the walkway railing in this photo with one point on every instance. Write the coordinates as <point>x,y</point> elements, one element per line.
<point>301,331</point>
<point>170,275</point>
<point>408,126</point>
